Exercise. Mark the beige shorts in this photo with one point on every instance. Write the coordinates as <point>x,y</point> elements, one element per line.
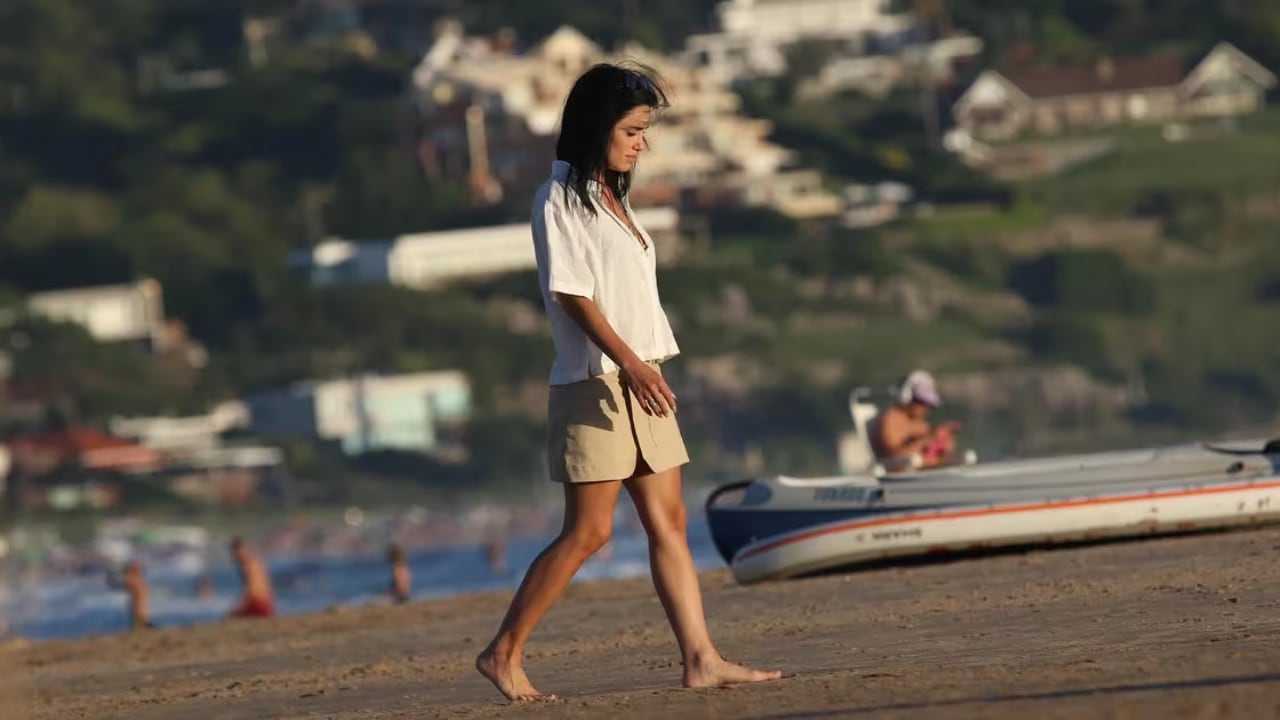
<point>597,432</point>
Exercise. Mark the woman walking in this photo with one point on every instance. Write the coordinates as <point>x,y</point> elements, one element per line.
<point>611,416</point>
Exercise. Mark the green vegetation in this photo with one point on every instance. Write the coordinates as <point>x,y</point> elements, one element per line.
<point>106,176</point>
<point>1082,281</point>
<point>855,138</point>
<point>86,378</point>
<point>980,223</point>
<point>1146,173</point>
<point>208,190</point>
<point>1081,30</point>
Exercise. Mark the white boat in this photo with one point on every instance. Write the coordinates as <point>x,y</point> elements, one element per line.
<point>782,527</point>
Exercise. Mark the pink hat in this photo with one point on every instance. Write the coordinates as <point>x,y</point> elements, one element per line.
<point>920,387</point>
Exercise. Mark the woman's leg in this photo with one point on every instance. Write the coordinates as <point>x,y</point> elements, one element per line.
<point>660,503</point>
<point>588,522</point>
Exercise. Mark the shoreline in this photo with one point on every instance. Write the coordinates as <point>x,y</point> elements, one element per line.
<point>1183,626</point>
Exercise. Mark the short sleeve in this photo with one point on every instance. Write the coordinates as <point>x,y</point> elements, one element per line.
<point>570,251</point>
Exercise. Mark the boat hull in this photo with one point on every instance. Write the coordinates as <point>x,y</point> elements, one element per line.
<point>777,529</point>
<point>843,543</point>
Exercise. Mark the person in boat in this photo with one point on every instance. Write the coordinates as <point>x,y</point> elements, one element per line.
<point>903,431</point>
<point>611,415</point>
<point>258,600</point>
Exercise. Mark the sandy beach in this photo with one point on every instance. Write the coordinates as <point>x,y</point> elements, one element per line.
<point>1174,628</point>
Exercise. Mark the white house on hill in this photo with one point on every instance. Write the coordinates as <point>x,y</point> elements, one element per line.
<point>753,34</point>
<point>366,413</point>
<point>430,260</point>
<point>1115,91</point>
<point>111,313</point>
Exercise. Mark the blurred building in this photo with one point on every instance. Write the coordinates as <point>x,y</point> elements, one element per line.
<point>74,467</point>
<point>489,115</point>
<point>753,35</point>
<point>1114,91</point>
<point>193,432</point>
<point>414,412</point>
<point>936,63</point>
<point>347,24</point>
<point>435,259</point>
<point>872,205</point>
<point>111,313</point>
<point>127,313</point>
<point>196,460</point>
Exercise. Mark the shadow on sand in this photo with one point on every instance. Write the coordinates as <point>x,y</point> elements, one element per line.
<point>1054,695</point>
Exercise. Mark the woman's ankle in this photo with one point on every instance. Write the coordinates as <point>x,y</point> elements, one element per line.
<point>702,657</point>
<point>502,648</point>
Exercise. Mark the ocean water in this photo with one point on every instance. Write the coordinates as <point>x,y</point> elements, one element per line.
<point>80,606</point>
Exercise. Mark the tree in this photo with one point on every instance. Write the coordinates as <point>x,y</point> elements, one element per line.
<point>1074,338</point>
<point>46,215</point>
<point>380,193</point>
<point>1082,281</point>
<point>91,380</point>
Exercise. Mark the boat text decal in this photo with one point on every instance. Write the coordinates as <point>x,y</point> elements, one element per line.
<point>846,494</point>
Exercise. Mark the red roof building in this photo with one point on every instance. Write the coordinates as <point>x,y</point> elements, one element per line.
<point>1113,91</point>
<point>87,448</point>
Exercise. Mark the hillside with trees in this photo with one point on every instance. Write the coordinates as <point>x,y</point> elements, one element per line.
<point>1154,271</point>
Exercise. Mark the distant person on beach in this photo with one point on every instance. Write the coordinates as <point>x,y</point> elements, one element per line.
<point>204,586</point>
<point>903,430</point>
<point>135,586</point>
<point>495,554</point>
<point>611,415</point>
<point>401,578</point>
<point>258,600</point>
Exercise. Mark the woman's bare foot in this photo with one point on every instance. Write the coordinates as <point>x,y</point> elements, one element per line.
<point>508,676</point>
<point>715,671</point>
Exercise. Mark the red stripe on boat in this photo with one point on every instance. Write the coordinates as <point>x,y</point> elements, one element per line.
<point>957,514</point>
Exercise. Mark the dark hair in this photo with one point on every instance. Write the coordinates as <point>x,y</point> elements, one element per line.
<point>602,96</point>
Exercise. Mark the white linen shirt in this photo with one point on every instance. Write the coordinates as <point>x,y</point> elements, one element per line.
<point>599,258</point>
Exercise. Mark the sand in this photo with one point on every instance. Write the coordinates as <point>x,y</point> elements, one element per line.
<point>1183,627</point>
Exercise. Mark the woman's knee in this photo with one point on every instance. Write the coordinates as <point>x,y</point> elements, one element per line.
<point>670,520</point>
<point>589,516</point>
<point>586,538</point>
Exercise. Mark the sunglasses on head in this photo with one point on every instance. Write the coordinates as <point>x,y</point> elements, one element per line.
<point>634,82</point>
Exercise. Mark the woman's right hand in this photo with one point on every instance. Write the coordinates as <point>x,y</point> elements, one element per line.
<point>649,389</point>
